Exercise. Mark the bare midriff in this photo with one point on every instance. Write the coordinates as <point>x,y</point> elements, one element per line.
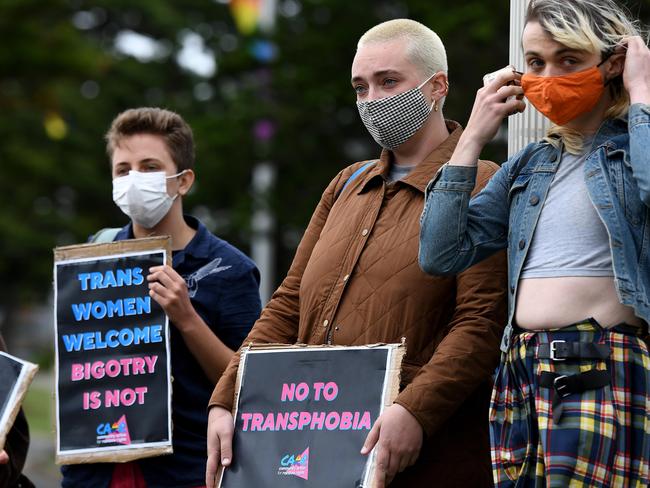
<point>548,303</point>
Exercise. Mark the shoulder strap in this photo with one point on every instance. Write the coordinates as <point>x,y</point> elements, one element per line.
<point>104,235</point>
<point>354,175</point>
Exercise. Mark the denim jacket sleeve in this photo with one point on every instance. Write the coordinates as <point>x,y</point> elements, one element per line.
<point>456,230</point>
<point>639,129</point>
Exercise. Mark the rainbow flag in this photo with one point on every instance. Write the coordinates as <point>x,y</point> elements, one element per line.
<point>246,14</point>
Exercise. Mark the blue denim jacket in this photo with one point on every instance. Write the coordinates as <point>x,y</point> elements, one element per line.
<point>457,232</point>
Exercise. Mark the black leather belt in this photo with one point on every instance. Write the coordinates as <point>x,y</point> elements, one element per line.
<point>563,350</point>
<point>565,385</point>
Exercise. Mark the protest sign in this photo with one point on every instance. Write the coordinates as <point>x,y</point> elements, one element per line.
<point>113,390</point>
<point>302,414</point>
<point>15,377</point>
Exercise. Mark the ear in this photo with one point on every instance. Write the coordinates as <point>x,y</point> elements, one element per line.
<point>614,66</point>
<point>439,86</point>
<point>185,182</point>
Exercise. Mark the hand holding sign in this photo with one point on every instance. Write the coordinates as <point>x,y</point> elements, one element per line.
<point>301,410</point>
<point>169,290</point>
<point>220,433</point>
<point>397,436</point>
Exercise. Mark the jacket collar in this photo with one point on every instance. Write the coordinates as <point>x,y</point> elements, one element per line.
<point>198,247</point>
<point>424,171</point>
<point>609,129</point>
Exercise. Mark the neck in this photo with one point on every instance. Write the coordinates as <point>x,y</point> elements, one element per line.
<point>589,123</point>
<point>173,224</point>
<point>423,142</point>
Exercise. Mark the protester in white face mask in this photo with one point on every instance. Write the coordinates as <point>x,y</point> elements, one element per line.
<point>143,196</point>
<point>210,293</point>
<point>355,279</point>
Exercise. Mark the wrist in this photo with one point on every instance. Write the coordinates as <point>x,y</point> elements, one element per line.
<point>640,94</point>
<point>467,151</point>
<point>188,322</point>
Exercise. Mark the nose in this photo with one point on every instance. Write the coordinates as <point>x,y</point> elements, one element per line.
<point>373,93</point>
<point>551,70</point>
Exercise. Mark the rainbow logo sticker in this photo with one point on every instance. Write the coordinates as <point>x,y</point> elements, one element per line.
<point>295,465</point>
<point>114,433</point>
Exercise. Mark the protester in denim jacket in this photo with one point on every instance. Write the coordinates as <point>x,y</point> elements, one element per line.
<point>570,400</point>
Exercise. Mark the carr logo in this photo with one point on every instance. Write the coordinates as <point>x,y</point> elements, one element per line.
<point>295,465</point>
<point>116,432</point>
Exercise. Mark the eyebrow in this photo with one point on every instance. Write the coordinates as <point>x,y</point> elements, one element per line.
<point>142,161</point>
<point>559,52</point>
<point>377,74</point>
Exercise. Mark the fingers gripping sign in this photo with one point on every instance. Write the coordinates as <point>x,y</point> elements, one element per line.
<point>397,440</point>
<point>220,434</point>
<point>169,290</point>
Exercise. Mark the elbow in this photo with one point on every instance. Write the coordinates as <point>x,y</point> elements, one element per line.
<point>432,264</point>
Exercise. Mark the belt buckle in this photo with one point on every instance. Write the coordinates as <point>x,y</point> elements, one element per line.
<point>558,385</point>
<point>554,349</point>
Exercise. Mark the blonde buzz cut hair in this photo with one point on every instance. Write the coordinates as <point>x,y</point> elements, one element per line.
<point>425,49</point>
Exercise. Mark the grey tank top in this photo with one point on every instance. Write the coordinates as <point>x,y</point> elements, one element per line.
<point>397,172</point>
<point>570,238</point>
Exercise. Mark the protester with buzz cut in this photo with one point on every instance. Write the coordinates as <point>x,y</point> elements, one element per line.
<point>355,279</point>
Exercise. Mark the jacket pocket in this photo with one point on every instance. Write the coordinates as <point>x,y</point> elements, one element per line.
<point>516,195</point>
<point>517,188</point>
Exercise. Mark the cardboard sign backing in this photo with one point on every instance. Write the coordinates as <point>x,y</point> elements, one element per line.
<point>15,377</point>
<point>113,388</point>
<point>302,414</point>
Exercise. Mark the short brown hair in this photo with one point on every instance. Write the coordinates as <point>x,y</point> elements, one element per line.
<point>156,121</point>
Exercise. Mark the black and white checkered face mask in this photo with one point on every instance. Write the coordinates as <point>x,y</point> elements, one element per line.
<point>391,121</point>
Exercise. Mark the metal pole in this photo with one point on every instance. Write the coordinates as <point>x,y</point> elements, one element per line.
<point>263,225</point>
<point>530,125</point>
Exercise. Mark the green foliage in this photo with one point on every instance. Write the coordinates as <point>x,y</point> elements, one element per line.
<point>62,80</point>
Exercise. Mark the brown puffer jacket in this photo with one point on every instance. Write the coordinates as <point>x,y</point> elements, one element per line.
<point>355,280</point>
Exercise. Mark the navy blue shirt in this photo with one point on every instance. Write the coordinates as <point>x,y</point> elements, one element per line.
<point>223,284</point>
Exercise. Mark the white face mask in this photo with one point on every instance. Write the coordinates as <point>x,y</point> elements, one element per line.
<point>143,196</point>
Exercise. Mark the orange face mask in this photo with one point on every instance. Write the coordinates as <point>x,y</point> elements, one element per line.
<point>563,98</point>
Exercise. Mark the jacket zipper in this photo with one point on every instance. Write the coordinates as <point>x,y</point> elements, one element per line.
<point>329,335</point>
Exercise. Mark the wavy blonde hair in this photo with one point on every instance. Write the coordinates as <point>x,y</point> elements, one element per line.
<point>597,26</point>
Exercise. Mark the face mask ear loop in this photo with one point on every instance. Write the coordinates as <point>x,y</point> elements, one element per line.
<point>176,175</point>
<point>425,81</point>
<point>608,54</point>
<point>433,104</point>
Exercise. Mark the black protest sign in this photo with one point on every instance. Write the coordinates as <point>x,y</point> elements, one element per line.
<point>112,353</point>
<point>303,414</point>
<point>15,377</point>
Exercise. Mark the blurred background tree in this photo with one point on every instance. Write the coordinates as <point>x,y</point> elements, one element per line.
<point>67,67</point>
